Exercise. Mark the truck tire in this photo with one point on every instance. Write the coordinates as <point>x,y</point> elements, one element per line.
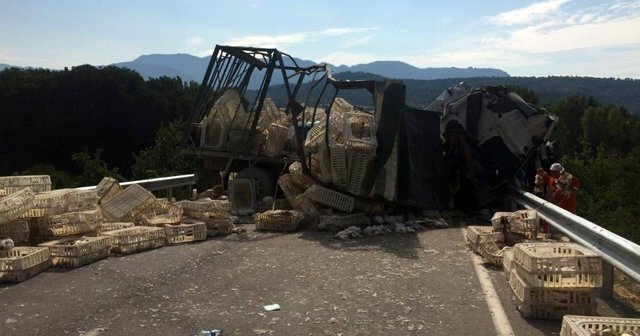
<point>263,182</point>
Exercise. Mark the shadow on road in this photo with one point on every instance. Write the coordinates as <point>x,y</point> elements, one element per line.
<point>401,245</point>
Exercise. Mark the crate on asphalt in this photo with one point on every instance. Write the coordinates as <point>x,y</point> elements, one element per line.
<point>185,232</point>
<point>524,222</point>
<point>163,212</point>
<point>135,239</point>
<point>279,204</point>
<point>553,304</point>
<point>107,188</point>
<point>491,252</point>
<point>128,204</point>
<point>21,263</point>
<point>561,265</point>
<point>17,230</point>
<point>16,204</point>
<point>478,235</point>
<point>290,189</point>
<point>205,205</point>
<point>279,220</point>
<point>216,226</point>
<point>575,325</point>
<point>331,198</point>
<point>498,220</point>
<point>77,252</point>
<point>305,204</point>
<point>12,184</point>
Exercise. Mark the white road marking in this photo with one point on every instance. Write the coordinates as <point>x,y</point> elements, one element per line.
<point>500,320</point>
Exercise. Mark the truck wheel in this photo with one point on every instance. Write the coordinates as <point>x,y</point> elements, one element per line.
<point>263,182</point>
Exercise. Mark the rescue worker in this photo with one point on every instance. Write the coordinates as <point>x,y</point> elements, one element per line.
<point>562,188</point>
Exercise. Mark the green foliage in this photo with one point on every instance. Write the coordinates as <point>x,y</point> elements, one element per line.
<point>525,93</point>
<point>93,168</point>
<point>165,157</point>
<point>59,179</point>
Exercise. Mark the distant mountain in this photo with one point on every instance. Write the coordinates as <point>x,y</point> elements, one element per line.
<point>192,68</point>
<point>623,92</point>
<point>4,66</point>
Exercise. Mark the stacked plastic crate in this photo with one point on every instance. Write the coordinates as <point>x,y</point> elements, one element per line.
<point>574,325</point>
<point>551,280</point>
<point>216,214</point>
<point>77,252</point>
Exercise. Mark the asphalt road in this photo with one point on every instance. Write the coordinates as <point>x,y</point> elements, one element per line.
<point>404,284</point>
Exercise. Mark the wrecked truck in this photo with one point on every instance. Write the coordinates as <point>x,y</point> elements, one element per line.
<point>258,111</point>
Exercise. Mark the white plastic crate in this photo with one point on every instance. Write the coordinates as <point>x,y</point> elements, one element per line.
<point>477,235</point>
<point>304,204</point>
<point>15,205</point>
<point>553,304</point>
<point>339,170</point>
<point>21,263</point>
<point>558,265</point>
<point>276,138</point>
<point>289,188</point>
<point>135,239</point>
<point>185,232</point>
<point>331,198</point>
<point>12,184</point>
<point>279,204</point>
<point>205,205</point>
<point>17,230</point>
<point>360,132</point>
<point>114,226</point>
<point>295,168</point>
<point>216,226</point>
<point>575,325</point>
<point>242,194</point>
<point>525,222</point>
<point>71,223</point>
<point>279,220</point>
<point>498,219</point>
<point>77,252</point>
<point>128,204</point>
<point>107,188</point>
<point>492,252</point>
<point>358,166</point>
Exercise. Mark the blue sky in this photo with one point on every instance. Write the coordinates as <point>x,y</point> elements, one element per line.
<point>525,38</point>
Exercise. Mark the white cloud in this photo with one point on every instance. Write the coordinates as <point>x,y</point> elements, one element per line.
<point>358,41</point>
<point>194,41</point>
<point>272,41</point>
<point>346,58</point>
<point>527,14</point>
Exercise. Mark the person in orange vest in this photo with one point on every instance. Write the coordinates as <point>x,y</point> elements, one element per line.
<point>562,188</point>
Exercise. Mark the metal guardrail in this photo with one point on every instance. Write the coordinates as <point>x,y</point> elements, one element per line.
<point>161,183</point>
<point>615,250</point>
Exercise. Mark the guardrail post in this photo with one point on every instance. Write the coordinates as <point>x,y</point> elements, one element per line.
<point>606,292</point>
<point>170,194</point>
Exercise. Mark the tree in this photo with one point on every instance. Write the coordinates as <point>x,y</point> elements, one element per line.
<point>93,168</point>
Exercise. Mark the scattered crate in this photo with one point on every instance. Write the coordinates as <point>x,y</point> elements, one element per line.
<point>107,188</point>
<point>359,131</point>
<point>216,226</point>
<point>279,220</point>
<point>205,205</point>
<point>21,263</point>
<point>553,304</point>
<point>114,226</point>
<point>128,204</point>
<point>242,194</point>
<point>574,325</point>
<point>77,252</point>
<point>566,265</point>
<point>331,198</point>
<point>478,235</point>
<point>498,219</point>
<point>12,184</point>
<point>290,189</point>
<point>276,138</point>
<point>185,232</point>
<point>71,223</point>
<point>295,168</point>
<point>17,230</point>
<point>135,239</point>
<point>524,222</point>
<point>490,251</point>
<point>237,138</point>
<point>304,204</point>
<point>339,171</point>
<point>16,204</point>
